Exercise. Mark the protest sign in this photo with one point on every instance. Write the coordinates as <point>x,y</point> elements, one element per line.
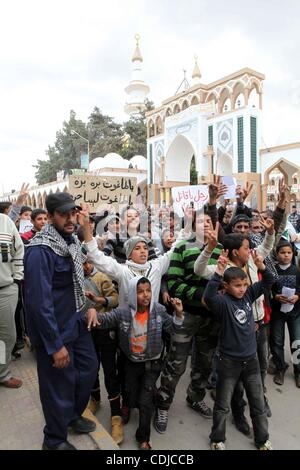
<point>100,191</point>
<point>25,226</point>
<point>230,182</point>
<point>184,196</point>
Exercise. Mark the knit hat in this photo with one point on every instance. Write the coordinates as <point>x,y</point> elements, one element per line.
<point>240,218</point>
<point>131,242</point>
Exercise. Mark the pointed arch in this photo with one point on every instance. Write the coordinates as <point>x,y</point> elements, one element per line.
<point>195,100</point>
<point>185,105</point>
<point>178,159</point>
<point>176,109</point>
<point>159,126</point>
<point>169,112</point>
<point>225,100</point>
<point>151,128</point>
<point>238,89</point>
<point>212,96</point>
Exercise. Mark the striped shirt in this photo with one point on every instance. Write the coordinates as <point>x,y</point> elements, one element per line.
<point>182,281</point>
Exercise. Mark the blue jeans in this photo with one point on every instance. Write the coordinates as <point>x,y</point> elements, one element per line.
<point>230,372</point>
<point>278,321</point>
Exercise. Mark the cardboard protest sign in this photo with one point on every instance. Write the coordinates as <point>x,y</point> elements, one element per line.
<point>100,191</point>
<point>25,226</point>
<point>184,196</point>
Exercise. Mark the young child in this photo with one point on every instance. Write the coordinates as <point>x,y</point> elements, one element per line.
<point>102,296</point>
<point>140,327</point>
<point>288,276</point>
<point>238,349</point>
<point>39,220</point>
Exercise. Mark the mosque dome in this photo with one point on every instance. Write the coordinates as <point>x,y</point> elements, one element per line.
<point>139,162</point>
<point>114,160</point>
<point>96,164</point>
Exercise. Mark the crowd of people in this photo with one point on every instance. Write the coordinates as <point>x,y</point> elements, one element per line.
<point>139,291</point>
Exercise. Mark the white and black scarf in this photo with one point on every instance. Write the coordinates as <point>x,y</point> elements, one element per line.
<point>49,236</point>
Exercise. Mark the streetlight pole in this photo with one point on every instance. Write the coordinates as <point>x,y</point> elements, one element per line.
<point>84,138</point>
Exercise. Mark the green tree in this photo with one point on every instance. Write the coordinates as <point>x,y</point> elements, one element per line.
<point>65,153</point>
<point>105,135</point>
<point>135,134</point>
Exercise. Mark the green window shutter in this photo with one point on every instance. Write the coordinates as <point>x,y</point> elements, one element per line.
<point>240,124</point>
<point>210,135</point>
<point>253,137</point>
<point>150,164</point>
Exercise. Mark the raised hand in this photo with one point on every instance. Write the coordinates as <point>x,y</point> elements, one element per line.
<point>282,193</point>
<point>268,224</point>
<point>258,260</point>
<point>178,307</point>
<point>212,237</point>
<point>216,190</point>
<point>222,262</point>
<point>22,195</point>
<point>247,189</point>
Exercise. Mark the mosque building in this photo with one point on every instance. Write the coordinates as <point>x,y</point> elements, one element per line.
<point>218,126</point>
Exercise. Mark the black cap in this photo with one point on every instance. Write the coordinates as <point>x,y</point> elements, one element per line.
<point>240,218</point>
<point>61,202</point>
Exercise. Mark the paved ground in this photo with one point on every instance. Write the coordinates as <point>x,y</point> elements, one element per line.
<point>22,421</point>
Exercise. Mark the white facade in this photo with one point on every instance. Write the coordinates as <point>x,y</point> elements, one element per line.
<point>207,115</point>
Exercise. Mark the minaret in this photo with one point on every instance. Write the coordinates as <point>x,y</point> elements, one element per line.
<point>196,73</point>
<point>137,88</point>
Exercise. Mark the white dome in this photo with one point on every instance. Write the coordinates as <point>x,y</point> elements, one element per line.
<point>139,161</point>
<point>114,160</point>
<point>96,164</point>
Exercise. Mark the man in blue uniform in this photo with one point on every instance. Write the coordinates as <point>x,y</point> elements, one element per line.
<point>54,297</point>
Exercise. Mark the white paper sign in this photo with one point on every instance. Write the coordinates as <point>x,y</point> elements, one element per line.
<point>230,182</point>
<point>183,196</point>
<point>288,292</point>
<point>25,226</point>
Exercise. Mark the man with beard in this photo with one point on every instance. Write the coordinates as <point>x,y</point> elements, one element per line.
<point>54,298</point>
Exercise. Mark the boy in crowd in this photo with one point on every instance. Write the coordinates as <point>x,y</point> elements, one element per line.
<point>102,296</point>
<point>39,219</point>
<point>286,311</point>
<point>140,326</point>
<point>238,357</point>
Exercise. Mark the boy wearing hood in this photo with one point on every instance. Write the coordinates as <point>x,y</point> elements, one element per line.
<point>140,325</point>
<point>137,263</point>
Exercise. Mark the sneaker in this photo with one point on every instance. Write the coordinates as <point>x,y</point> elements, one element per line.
<point>93,405</point>
<point>13,382</point>
<point>160,421</point>
<point>117,429</point>
<point>144,445</point>
<point>201,407</point>
<point>217,446</point>
<point>267,408</point>
<point>125,413</point>
<point>266,446</point>
<point>279,377</point>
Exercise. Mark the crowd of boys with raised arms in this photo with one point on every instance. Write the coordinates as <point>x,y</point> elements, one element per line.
<point>138,292</point>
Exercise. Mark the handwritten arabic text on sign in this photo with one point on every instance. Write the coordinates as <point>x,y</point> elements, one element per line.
<point>97,191</point>
<point>184,195</point>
